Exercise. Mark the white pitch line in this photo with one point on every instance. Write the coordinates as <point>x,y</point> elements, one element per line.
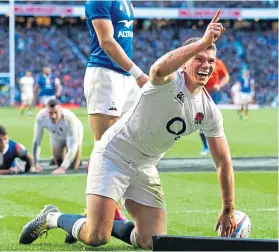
<point>216,211</point>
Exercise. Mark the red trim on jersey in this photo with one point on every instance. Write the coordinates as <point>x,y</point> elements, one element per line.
<point>18,147</point>
<point>206,93</point>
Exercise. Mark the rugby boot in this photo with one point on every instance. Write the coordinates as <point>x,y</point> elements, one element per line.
<point>36,227</point>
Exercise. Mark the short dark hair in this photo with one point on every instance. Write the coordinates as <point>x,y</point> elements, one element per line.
<point>195,39</point>
<point>53,102</point>
<point>3,131</point>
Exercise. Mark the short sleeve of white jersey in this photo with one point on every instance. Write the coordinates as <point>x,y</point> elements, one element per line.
<point>214,128</point>
<point>149,87</point>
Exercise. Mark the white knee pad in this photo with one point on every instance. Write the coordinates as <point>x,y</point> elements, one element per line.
<point>133,238</point>
<point>77,226</point>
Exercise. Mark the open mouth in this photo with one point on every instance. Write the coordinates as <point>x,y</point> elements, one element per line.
<point>203,74</point>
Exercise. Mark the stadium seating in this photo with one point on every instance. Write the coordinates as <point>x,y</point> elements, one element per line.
<point>66,48</point>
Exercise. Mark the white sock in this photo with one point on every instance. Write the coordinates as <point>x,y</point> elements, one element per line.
<point>77,226</point>
<point>52,218</point>
<point>133,238</point>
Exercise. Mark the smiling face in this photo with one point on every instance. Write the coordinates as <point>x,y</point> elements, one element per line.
<point>199,68</point>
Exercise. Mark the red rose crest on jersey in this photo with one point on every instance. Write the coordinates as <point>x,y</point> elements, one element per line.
<point>112,107</point>
<point>198,118</point>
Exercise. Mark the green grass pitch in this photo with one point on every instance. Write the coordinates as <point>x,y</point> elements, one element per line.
<point>257,136</point>
<point>193,203</point>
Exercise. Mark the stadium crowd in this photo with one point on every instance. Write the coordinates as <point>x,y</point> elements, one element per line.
<point>65,49</point>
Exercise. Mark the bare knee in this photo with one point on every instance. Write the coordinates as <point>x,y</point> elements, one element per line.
<point>144,242</point>
<point>97,239</point>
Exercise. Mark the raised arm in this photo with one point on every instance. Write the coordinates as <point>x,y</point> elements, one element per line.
<point>220,152</point>
<point>162,72</point>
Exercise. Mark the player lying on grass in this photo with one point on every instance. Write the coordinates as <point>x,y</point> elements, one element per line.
<point>66,136</point>
<point>174,103</point>
<point>9,151</point>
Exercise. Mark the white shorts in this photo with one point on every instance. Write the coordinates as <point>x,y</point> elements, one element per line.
<point>236,99</point>
<point>46,98</point>
<point>108,92</point>
<point>245,98</point>
<point>27,99</point>
<point>115,178</point>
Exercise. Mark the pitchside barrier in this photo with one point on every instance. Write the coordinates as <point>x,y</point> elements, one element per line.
<point>190,243</point>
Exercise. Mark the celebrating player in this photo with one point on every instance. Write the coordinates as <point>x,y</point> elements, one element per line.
<point>9,151</point>
<point>174,103</point>
<point>66,134</point>
<point>26,84</point>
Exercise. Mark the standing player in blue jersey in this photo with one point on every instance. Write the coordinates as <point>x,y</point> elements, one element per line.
<point>111,79</point>
<point>9,151</point>
<point>247,91</point>
<point>48,86</point>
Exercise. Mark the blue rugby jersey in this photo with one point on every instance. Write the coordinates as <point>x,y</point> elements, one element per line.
<point>47,85</point>
<point>14,151</point>
<point>245,84</point>
<point>121,14</point>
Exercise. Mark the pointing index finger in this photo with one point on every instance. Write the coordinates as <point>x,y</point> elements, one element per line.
<point>216,17</point>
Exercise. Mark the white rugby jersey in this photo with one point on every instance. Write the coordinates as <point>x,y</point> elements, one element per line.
<point>68,129</point>
<point>159,118</point>
<point>26,85</point>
